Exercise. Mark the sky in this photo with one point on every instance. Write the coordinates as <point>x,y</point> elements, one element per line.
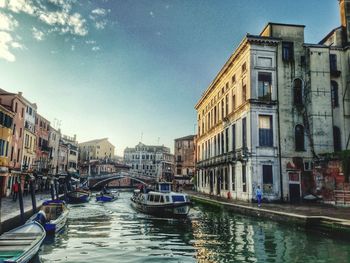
<point>133,70</point>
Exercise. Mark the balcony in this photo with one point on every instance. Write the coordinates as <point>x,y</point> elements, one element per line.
<point>225,158</point>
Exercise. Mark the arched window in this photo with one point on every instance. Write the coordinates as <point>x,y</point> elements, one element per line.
<point>299,138</point>
<point>336,139</point>
<point>298,92</point>
<point>334,94</point>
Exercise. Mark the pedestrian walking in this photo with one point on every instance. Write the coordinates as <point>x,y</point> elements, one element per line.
<point>15,191</point>
<point>258,193</point>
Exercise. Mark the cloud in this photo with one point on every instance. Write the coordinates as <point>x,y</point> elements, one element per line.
<point>101,24</point>
<point>37,34</point>
<point>99,12</point>
<point>90,42</point>
<point>96,48</point>
<point>151,14</point>
<point>7,22</point>
<point>98,17</point>
<point>6,42</point>
<point>18,6</point>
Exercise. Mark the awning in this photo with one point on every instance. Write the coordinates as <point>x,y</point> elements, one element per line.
<point>4,171</point>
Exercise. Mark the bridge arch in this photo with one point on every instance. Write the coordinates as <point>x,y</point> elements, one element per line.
<point>116,177</point>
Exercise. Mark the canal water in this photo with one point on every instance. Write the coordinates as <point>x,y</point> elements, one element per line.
<point>114,232</point>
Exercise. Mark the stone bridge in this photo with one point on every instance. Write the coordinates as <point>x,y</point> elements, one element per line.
<point>98,181</point>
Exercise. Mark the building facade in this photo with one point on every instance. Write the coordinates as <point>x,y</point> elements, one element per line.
<point>42,150</point>
<point>6,126</point>
<point>71,150</point>
<point>29,140</point>
<point>184,151</point>
<point>276,106</point>
<point>150,161</point>
<point>17,105</point>
<point>54,142</point>
<point>100,149</point>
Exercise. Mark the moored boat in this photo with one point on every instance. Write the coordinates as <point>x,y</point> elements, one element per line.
<point>53,215</point>
<point>162,203</point>
<point>78,196</point>
<point>106,197</point>
<point>21,244</point>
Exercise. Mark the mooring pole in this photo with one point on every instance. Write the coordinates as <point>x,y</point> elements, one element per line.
<point>32,193</point>
<point>20,199</point>
<point>57,189</point>
<point>52,190</point>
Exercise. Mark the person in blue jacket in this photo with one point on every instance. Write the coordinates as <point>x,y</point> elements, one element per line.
<point>258,194</point>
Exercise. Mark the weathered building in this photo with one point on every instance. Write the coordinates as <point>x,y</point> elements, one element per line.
<point>184,151</point>
<point>54,139</point>
<point>100,149</point>
<point>42,149</point>
<point>29,143</point>
<point>276,106</point>
<point>69,146</point>
<point>151,161</point>
<point>15,102</point>
<point>6,125</point>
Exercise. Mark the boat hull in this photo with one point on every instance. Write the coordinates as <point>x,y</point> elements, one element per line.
<point>78,197</point>
<point>33,231</point>
<point>105,198</point>
<point>55,226</point>
<point>172,210</point>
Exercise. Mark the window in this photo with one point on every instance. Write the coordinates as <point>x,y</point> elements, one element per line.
<point>16,107</point>
<point>14,129</point>
<point>233,137</point>
<point>244,179</point>
<point>226,178</point>
<point>244,133</point>
<point>226,99</point>
<point>22,113</point>
<point>226,135</point>
<point>333,62</point>
<point>222,109</point>
<point>178,171</point>
<point>233,178</point>
<point>334,94</point>
<point>287,51</point>
<point>222,143</point>
<point>265,131</point>
<point>298,92</point>
<point>267,178</point>
<point>233,79</point>
<point>264,86</point>
<point>215,115</point>
<point>299,138</point>
<point>244,67</point>
<point>233,102</point>
<point>244,93</point>
<point>226,86</point>
<point>336,139</point>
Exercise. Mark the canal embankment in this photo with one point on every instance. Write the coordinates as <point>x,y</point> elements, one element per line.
<point>313,217</point>
<point>10,216</point>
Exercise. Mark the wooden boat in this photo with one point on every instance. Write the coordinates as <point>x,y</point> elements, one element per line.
<point>22,243</point>
<point>78,196</point>
<point>161,202</point>
<point>55,213</point>
<point>106,197</point>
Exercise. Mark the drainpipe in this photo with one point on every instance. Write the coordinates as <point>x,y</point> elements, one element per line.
<point>278,130</point>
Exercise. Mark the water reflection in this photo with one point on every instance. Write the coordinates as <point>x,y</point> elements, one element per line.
<point>114,232</point>
<point>223,237</point>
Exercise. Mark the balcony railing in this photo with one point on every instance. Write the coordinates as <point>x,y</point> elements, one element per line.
<point>229,157</point>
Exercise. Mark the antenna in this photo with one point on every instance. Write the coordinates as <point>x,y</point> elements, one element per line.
<point>158,140</point>
<point>141,136</point>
